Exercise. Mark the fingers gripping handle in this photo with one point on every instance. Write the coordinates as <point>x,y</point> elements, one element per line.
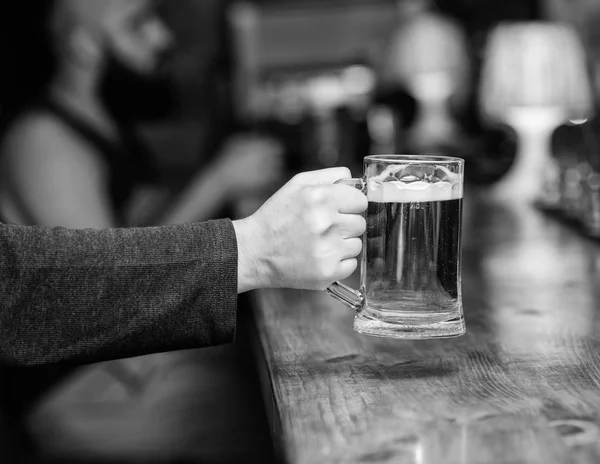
<point>347,295</point>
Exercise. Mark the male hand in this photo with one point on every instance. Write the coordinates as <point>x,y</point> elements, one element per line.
<point>306,236</point>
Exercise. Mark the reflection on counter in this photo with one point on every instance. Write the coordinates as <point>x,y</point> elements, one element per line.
<point>546,289</point>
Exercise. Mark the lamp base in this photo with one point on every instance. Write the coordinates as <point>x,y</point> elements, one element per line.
<point>434,125</point>
<point>534,165</point>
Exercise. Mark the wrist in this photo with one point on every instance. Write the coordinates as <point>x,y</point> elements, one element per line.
<point>252,272</point>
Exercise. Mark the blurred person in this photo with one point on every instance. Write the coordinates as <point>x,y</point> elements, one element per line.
<point>70,155</point>
<point>80,296</point>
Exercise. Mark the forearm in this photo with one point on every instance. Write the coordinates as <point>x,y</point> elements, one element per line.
<point>86,296</point>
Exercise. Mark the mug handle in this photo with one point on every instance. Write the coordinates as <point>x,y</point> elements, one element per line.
<point>354,299</point>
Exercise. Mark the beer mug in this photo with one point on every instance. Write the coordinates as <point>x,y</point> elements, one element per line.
<point>410,283</point>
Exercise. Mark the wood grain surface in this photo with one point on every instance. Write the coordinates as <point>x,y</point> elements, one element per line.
<point>522,386</point>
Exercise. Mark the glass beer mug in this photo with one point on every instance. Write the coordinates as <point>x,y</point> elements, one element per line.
<point>410,283</point>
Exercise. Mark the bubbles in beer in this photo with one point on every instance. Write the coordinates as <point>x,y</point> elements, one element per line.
<point>413,243</point>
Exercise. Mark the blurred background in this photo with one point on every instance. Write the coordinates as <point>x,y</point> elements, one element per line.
<point>248,94</point>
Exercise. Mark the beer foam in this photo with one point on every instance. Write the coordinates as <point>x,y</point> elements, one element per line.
<point>394,169</point>
<point>412,192</point>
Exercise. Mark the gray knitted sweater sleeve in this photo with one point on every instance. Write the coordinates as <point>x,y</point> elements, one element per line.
<point>85,296</point>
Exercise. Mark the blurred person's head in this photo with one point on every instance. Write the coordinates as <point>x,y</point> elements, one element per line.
<point>122,47</point>
<point>117,49</point>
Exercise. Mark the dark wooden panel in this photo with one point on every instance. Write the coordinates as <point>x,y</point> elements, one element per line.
<point>522,386</point>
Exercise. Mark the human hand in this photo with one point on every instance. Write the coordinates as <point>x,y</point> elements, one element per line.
<point>306,236</point>
<point>250,164</point>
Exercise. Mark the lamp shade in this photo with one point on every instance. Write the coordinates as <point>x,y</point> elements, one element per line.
<point>534,64</point>
<point>428,57</point>
<point>429,43</point>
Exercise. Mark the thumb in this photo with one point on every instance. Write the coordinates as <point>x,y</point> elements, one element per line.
<point>323,176</point>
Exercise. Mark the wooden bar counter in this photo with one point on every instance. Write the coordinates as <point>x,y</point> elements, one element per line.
<point>522,386</point>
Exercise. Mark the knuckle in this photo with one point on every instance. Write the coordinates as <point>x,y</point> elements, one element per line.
<point>328,271</point>
<point>319,254</point>
<point>315,195</point>
<point>346,269</point>
<point>325,267</point>
<point>317,222</point>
